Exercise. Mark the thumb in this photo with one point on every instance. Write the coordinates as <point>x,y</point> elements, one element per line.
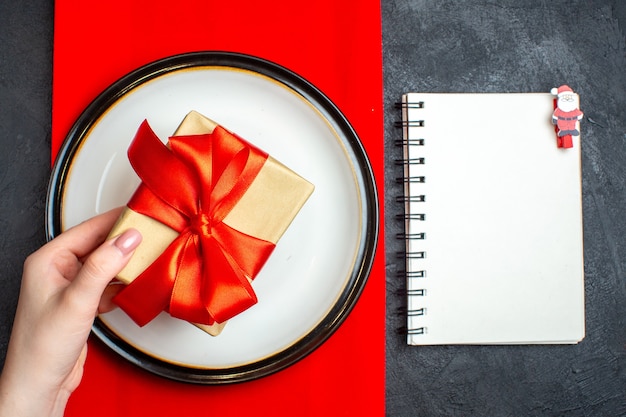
<point>102,265</point>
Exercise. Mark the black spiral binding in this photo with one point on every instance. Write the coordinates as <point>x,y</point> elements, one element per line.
<point>406,199</point>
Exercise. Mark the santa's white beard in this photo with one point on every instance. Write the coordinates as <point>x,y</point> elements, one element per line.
<point>567,105</point>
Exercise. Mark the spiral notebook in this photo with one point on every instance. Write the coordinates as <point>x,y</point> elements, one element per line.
<point>493,221</point>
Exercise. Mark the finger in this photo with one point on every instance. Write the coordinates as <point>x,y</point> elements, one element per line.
<point>102,266</point>
<point>106,301</point>
<point>86,236</point>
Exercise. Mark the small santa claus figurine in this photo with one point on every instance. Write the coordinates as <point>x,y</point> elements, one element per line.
<point>566,115</point>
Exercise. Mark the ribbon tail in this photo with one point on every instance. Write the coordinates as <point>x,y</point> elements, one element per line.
<point>227,290</point>
<point>149,294</point>
<point>186,300</point>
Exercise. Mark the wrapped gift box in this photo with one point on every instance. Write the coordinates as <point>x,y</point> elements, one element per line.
<point>264,211</point>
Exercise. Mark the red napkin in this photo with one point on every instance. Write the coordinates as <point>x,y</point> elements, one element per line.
<point>336,45</point>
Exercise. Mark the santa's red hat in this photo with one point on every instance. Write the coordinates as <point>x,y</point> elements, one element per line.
<point>564,89</point>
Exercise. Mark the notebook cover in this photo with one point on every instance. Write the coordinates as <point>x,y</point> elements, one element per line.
<point>502,243</point>
<point>97,43</point>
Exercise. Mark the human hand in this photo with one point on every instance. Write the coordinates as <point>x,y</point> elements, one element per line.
<point>64,286</point>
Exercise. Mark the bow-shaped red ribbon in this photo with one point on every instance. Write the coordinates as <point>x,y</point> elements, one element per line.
<point>202,276</point>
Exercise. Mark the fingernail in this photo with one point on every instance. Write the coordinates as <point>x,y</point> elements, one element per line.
<point>128,241</point>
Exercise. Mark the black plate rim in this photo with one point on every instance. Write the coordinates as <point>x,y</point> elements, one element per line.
<point>365,181</point>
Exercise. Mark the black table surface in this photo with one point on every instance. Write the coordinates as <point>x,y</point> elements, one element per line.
<point>428,46</point>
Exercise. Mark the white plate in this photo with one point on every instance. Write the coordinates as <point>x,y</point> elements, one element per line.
<point>319,266</point>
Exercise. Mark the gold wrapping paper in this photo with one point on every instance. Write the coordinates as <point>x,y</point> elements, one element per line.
<point>265,211</point>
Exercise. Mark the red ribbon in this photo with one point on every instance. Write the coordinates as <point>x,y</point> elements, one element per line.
<point>202,276</point>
